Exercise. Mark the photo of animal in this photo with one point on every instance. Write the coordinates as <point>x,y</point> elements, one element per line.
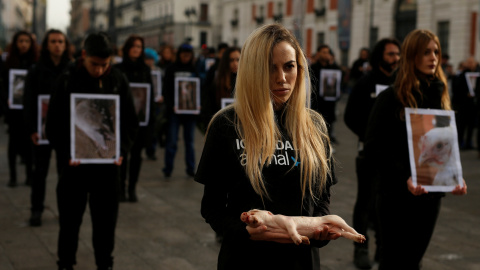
<point>43,102</point>
<point>187,95</point>
<point>330,84</point>
<point>141,101</point>
<point>435,150</point>
<point>95,128</point>
<point>17,84</point>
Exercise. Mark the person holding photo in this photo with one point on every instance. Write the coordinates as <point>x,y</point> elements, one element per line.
<point>54,58</point>
<point>324,107</point>
<point>384,63</point>
<point>94,184</point>
<point>407,213</point>
<point>267,151</point>
<point>22,54</point>
<point>134,68</point>
<point>182,67</point>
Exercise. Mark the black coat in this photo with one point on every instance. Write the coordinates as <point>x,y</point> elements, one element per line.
<point>361,100</point>
<point>40,81</point>
<point>386,140</point>
<point>78,80</point>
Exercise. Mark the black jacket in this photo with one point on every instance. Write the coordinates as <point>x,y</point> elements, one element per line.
<point>461,98</point>
<point>228,192</point>
<point>77,80</point>
<point>139,72</point>
<point>169,83</point>
<point>40,81</point>
<point>12,117</point>
<point>386,140</point>
<point>361,100</point>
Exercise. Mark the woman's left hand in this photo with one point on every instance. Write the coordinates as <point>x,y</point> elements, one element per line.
<point>460,190</point>
<point>415,190</point>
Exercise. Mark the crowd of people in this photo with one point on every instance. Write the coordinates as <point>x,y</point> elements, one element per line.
<point>268,115</point>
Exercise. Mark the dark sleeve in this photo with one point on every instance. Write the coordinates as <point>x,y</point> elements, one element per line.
<point>128,116</point>
<point>57,126</point>
<point>30,106</point>
<point>213,170</point>
<point>3,90</point>
<point>377,129</point>
<point>168,88</point>
<point>358,108</point>
<point>151,117</point>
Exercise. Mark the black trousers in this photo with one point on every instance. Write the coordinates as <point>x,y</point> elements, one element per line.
<point>406,227</point>
<point>42,155</point>
<point>466,120</point>
<point>19,144</point>
<point>132,162</point>
<point>364,210</point>
<point>98,186</point>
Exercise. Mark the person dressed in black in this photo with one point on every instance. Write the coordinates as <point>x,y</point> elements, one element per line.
<point>360,67</point>
<point>407,214</point>
<point>325,107</point>
<point>94,184</point>
<point>134,68</point>
<point>253,158</point>
<point>21,56</point>
<point>54,58</point>
<point>384,62</point>
<point>463,101</point>
<point>223,85</point>
<point>183,67</point>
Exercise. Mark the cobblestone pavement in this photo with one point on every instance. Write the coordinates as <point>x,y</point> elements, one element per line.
<point>164,230</point>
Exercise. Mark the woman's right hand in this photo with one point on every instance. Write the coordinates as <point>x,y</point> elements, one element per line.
<point>415,190</point>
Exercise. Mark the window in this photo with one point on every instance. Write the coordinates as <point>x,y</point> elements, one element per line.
<point>203,13</point>
<point>373,36</point>
<point>203,37</point>
<point>279,8</point>
<point>443,35</point>
<point>320,38</point>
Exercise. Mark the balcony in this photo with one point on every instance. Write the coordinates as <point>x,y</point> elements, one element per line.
<point>320,12</point>
<point>259,20</point>
<point>278,17</point>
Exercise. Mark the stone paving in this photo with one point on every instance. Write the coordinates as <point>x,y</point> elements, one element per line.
<point>164,230</point>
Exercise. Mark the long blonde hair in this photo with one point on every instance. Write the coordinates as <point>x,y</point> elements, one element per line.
<point>413,47</point>
<point>255,121</point>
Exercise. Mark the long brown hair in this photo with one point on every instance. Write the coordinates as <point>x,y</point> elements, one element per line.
<point>129,44</point>
<point>13,58</point>
<point>413,46</point>
<point>224,75</point>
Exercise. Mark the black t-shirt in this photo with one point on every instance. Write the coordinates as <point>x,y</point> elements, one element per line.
<point>228,193</point>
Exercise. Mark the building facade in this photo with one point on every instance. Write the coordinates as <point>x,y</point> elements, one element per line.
<point>15,15</point>
<point>158,21</point>
<point>345,25</point>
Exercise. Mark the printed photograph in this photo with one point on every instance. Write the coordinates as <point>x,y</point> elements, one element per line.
<point>433,149</point>
<point>380,88</point>
<point>330,80</point>
<point>43,101</point>
<point>209,62</point>
<point>472,81</point>
<point>15,89</point>
<point>95,128</point>
<point>157,83</point>
<point>187,95</point>
<point>141,101</point>
<point>226,101</point>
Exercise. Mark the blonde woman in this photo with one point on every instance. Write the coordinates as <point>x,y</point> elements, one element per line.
<point>267,151</point>
<point>407,213</point>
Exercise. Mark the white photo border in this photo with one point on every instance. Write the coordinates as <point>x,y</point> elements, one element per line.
<point>456,152</point>
<point>11,76</point>
<point>147,108</point>
<point>471,89</point>
<point>157,77</point>
<point>226,101</point>
<point>338,75</point>
<point>41,140</point>
<point>115,98</point>
<point>197,90</point>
